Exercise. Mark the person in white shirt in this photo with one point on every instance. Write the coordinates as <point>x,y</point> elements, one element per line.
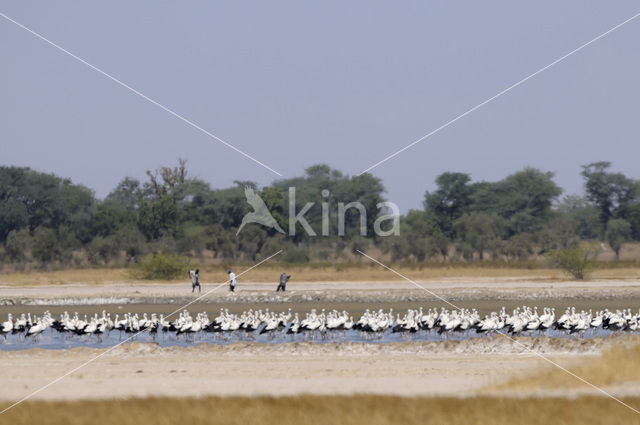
<point>232,280</point>
<point>195,280</point>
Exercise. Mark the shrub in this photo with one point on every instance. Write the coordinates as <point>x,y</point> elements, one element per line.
<point>295,255</point>
<point>520,246</point>
<point>160,266</point>
<point>17,244</point>
<point>191,237</point>
<point>358,243</point>
<point>45,246</point>
<point>618,232</point>
<point>102,249</point>
<point>132,242</point>
<point>323,255</point>
<point>574,261</point>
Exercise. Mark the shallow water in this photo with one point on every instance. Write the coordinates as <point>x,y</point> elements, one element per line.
<point>51,339</point>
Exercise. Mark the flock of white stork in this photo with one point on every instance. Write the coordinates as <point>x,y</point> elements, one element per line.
<point>522,320</point>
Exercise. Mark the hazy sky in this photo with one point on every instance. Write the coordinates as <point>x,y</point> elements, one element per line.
<point>295,83</point>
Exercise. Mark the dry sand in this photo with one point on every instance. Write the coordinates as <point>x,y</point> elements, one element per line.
<point>459,368</point>
<point>398,291</point>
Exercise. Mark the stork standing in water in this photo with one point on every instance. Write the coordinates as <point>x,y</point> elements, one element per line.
<point>37,328</point>
<point>7,326</point>
<point>332,323</point>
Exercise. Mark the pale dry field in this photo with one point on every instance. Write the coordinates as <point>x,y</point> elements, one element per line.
<point>449,368</point>
<point>303,296</point>
<point>362,272</point>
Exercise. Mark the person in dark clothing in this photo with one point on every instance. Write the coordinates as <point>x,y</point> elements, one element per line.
<point>195,279</point>
<point>283,282</point>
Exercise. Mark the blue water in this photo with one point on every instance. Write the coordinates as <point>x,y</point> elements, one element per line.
<point>51,339</point>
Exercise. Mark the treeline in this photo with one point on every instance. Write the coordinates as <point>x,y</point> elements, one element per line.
<point>519,216</point>
<point>47,220</point>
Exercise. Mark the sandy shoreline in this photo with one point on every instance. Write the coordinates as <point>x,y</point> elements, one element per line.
<point>458,368</point>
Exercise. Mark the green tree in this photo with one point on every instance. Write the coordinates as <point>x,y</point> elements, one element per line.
<point>464,250</point>
<point>45,247</point>
<point>13,216</point>
<point>523,199</point>
<point>67,243</point>
<point>126,194</point>
<point>277,202</point>
<point>103,249</point>
<point>481,231</point>
<point>611,193</point>
<point>17,244</point>
<point>222,242</point>
<point>132,242</point>
<point>225,207</point>
<point>584,217</point>
<point>168,182</point>
<point>560,233</point>
<point>451,199</point>
<point>169,200</point>
<point>397,247</point>
<point>31,199</point>
<point>423,235</point>
<point>365,189</point>
<point>157,217</point>
<point>439,244</point>
<point>633,217</point>
<point>274,244</point>
<point>618,232</point>
<point>520,246</point>
<point>111,217</point>
<point>191,237</point>
<point>251,240</point>
<point>77,205</point>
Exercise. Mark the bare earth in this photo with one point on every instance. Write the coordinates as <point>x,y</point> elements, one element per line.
<point>460,368</point>
<point>391,291</point>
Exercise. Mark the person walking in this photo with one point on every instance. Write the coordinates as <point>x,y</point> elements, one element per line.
<point>232,280</point>
<point>283,282</point>
<point>195,280</point>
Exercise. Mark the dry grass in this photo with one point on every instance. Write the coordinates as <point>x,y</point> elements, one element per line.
<point>323,410</point>
<point>356,269</point>
<point>318,273</point>
<point>59,277</point>
<point>616,366</point>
